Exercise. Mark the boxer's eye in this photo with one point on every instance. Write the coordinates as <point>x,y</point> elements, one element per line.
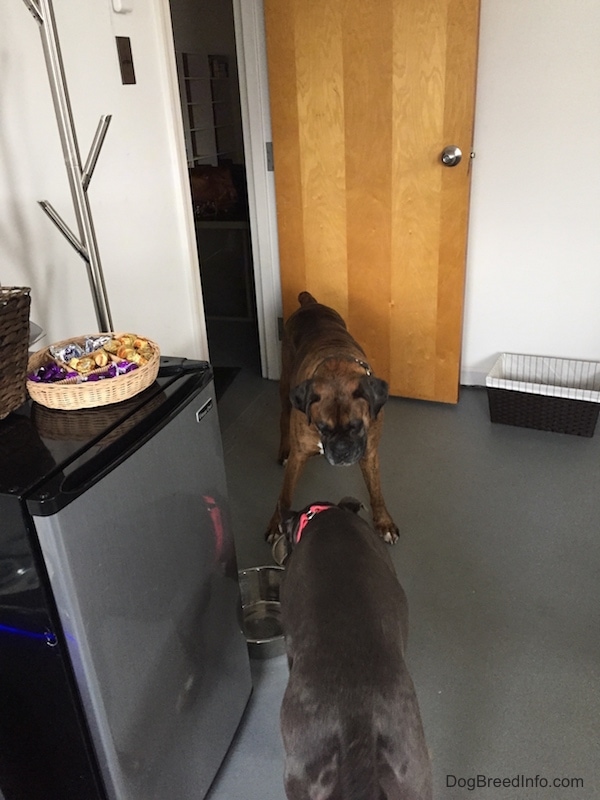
<point>323,428</point>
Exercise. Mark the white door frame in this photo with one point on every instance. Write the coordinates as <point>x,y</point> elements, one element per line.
<point>256,125</point>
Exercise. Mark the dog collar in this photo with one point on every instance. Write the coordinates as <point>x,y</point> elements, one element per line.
<point>306,517</point>
<point>358,361</point>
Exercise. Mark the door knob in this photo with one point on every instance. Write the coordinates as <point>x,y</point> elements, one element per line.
<point>451,155</point>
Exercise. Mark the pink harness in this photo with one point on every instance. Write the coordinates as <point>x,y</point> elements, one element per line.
<point>306,517</point>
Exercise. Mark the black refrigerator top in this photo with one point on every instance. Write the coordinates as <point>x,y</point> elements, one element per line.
<point>48,456</point>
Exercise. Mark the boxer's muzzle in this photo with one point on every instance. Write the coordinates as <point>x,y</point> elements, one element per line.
<point>342,448</point>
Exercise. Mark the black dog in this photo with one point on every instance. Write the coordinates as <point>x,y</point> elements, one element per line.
<point>350,720</point>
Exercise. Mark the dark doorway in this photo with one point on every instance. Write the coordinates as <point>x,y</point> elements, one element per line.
<point>204,36</point>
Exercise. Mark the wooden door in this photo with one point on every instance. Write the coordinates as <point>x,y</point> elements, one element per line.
<point>365,95</point>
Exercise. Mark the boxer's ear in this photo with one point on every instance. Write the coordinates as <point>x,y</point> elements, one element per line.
<point>375,391</point>
<point>303,396</point>
<point>350,504</point>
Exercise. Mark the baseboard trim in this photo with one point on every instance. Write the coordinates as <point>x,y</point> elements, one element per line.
<point>472,378</point>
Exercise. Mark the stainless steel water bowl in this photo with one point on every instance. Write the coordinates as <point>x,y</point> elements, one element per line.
<point>261,618</point>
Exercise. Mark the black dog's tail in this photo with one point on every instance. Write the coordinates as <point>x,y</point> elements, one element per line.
<point>306,298</point>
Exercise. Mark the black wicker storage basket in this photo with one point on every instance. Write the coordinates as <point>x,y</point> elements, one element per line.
<point>14,343</point>
<point>548,394</point>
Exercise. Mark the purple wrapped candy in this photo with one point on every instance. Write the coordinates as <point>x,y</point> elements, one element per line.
<point>109,372</point>
<point>123,367</point>
<point>50,373</point>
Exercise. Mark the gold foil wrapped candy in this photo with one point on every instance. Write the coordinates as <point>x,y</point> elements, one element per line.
<point>101,358</point>
<point>82,365</point>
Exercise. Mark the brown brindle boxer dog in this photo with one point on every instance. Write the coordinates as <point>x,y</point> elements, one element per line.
<point>330,404</point>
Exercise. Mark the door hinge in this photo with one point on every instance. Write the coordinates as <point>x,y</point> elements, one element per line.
<point>269,151</point>
<point>280,327</point>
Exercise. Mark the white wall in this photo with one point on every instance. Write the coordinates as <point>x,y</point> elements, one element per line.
<point>533,277</point>
<point>140,205</point>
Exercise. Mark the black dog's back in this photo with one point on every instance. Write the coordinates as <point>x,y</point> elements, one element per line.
<point>350,719</point>
<point>340,567</point>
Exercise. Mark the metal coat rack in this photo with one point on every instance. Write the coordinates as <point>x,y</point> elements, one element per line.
<point>79,177</point>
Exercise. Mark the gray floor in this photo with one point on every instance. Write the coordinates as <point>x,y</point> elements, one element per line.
<point>500,558</point>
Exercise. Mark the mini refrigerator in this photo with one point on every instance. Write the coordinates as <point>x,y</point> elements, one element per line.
<point>124,672</point>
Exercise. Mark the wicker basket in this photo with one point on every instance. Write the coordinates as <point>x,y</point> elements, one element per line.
<point>14,342</point>
<point>67,395</point>
<point>549,394</point>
